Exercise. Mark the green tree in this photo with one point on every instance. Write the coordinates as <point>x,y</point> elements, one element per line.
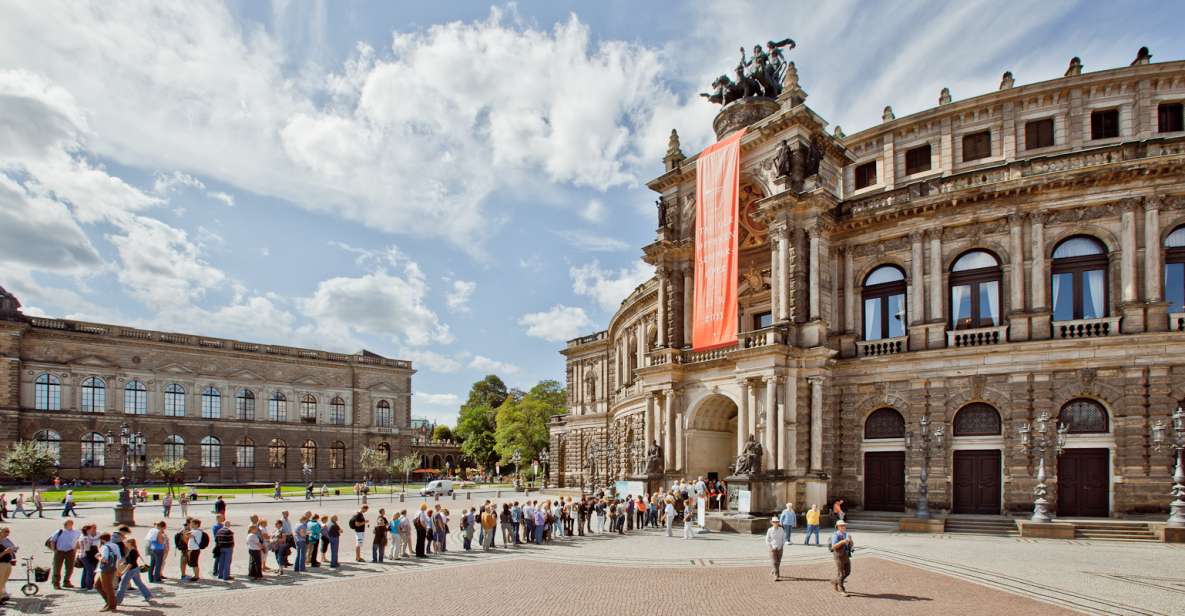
<point>477,420</point>
<point>29,461</point>
<point>522,422</point>
<point>490,391</point>
<point>442,433</point>
<point>171,472</point>
<point>372,461</point>
<point>401,466</point>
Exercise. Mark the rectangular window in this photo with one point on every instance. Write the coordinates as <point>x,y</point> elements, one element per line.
<point>1104,124</point>
<point>245,456</point>
<point>1039,134</point>
<point>960,306</point>
<point>872,319</point>
<point>762,320</point>
<point>1171,117</point>
<point>977,145</point>
<point>865,175</point>
<point>896,316</point>
<point>917,160</point>
<point>1174,286</point>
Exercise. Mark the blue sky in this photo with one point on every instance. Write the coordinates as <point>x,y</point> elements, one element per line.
<point>456,183</point>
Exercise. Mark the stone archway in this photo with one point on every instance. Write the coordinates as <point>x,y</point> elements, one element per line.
<point>711,437</point>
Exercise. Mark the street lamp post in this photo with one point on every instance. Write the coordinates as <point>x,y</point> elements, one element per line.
<point>1041,436</point>
<point>518,476</point>
<point>610,450</point>
<point>925,444</point>
<point>1176,446</point>
<point>306,472</point>
<point>131,444</point>
<point>545,457</point>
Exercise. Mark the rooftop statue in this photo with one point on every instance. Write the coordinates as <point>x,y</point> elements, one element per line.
<point>758,75</point>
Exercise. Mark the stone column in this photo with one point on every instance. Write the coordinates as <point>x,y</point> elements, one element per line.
<point>688,304</point>
<point>814,274</point>
<point>772,425</point>
<point>850,301</point>
<point>680,445</point>
<point>782,286</point>
<point>816,423</point>
<point>1152,256</point>
<point>648,420</point>
<point>1039,282</point>
<point>936,272</point>
<point>742,416</point>
<point>788,439</point>
<point>1127,240</point>
<point>1016,269</point>
<point>668,453</point>
<point>662,307</point>
<point>917,295</point>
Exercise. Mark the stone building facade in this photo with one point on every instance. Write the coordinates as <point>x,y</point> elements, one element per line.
<point>236,411</point>
<point>981,264</point>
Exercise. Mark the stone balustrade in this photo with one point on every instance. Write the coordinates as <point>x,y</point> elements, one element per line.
<point>980,336</point>
<point>1087,328</point>
<point>768,336</point>
<point>884,346</point>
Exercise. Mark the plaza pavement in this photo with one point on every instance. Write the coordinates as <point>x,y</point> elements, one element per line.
<point>648,573</point>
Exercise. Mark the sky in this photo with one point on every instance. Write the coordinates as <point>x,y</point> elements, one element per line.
<point>459,184</point>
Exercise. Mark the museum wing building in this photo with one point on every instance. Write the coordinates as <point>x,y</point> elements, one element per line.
<point>999,266</point>
<point>236,411</point>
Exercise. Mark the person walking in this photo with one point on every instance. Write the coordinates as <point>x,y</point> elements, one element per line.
<point>184,502</point>
<point>812,525</point>
<point>8,551</point>
<point>488,522</point>
<point>39,504</point>
<point>68,505</point>
<point>358,525</point>
<point>87,552</point>
<point>157,543</point>
<point>469,519</point>
<point>109,557</point>
<point>841,550</point>
<point>405,530</point>
<point>276,494</point>
<point>130,568</point>
<point>688,517</point>
<point>224,543</point>
<point>64,543</point>
<point>220,506</point>
<point>504,520</point>
<point>788,519</point>
<point>669,516</point>
<point>254,553</point>
<point>166,505</point>
<point>775,540</point>
<point>333,533</point>
<point>19,506</point>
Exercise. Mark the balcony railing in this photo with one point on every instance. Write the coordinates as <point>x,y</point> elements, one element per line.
<point>1087,328</point>
<point>981,336</point>
<point>694,357</point>
<point>884,346</point>
<point>768,336</point>
<point>1177,322</point>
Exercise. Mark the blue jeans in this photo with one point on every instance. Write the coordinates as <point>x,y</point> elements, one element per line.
<point>68,509</point>
<point>376,552</point>
<point>88,572</point>
<point>811,530</point>
<point>539,534</point>
<point>333,541</point>
<point>156,566</point>
<point>300,555</point>
<point>133,575</point>
<point>223,569</point>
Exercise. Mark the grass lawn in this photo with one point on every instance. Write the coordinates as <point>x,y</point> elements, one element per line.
<point>110,494</point>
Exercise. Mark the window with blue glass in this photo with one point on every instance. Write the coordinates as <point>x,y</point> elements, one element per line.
<point>1174,270</point>
<point>975,291</point>
<point>1078,279</point>
<point>883,295</point>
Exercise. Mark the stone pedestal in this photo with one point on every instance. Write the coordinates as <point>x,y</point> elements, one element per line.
<point>737,523</point>
<point>922,525</point>
<point>651,481</point>
<point>1174,534</point>
<point>125,515</point>
<point>1133,318</point>
<point>741,113</point>
<point>1156,316</point>
<point>1046,530</point>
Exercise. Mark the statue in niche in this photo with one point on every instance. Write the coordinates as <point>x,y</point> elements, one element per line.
<point>749,462</point>
<point>654,464</point>
<point>590,385</point>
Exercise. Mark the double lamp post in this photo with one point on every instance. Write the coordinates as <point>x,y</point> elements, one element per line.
<point>132,445</point>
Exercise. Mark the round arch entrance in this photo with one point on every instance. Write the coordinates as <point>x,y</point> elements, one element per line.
<point>711,437</point>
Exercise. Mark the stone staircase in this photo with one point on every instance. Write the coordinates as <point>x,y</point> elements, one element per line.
<point>1114,531</point>
<point>883,521</point>
<point>996,526</point>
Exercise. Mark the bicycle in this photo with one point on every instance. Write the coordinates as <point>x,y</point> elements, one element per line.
<point>33,574</point>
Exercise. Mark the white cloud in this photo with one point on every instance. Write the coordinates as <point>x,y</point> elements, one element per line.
<point>40,233</point>
<point>606,287</point>
<point>458,298</point>
<point>160,266</point>
<point>560,323</point>
<point>436,362</point>
<point>225,198</point>
<point>595,211</point>
<point>591,243</point>
<point>381,304</point>
<point>165,183</point>
<point>437,399</point>
<point>485,364</point>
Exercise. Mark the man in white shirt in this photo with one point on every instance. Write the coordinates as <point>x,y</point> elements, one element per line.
<point>775,539</point>
<point>196,535</point>
<point>669,512</point>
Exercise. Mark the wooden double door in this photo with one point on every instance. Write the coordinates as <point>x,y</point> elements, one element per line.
<point>977,482</point>
<point>884,481</point>
<point>1083,481</point>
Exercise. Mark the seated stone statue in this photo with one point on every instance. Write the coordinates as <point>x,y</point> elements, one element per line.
<point>654,464</point>
<point>749,462</point>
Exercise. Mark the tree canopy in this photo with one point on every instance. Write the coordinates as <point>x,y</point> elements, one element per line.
<point>477,420</point>
<point>522,421</point>
<point>29,461</point>
<point>442,433</point>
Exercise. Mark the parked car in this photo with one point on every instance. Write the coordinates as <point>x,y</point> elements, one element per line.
<point>438,487</point>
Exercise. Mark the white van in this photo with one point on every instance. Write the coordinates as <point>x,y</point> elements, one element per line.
<point>438,487</point>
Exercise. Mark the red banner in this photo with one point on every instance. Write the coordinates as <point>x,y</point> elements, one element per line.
<point>717,184</point>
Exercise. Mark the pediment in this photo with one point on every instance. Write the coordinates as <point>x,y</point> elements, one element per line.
<point>92,360</point>
<point>308,380</point>
<point>174,369</point>
<point>245,375</point>
<point>384,387</point>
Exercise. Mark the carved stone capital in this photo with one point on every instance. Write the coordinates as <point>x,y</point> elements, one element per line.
<point>1016,219</point>
<point>934,233</point>
<point>915,237</point>
<point>1039,217</point>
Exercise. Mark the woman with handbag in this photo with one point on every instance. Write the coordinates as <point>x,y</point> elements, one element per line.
<point>129,572</point>
<point>88,555</point>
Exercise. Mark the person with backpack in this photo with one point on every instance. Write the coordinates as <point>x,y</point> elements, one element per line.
<point>224,545</point>
<point>333,535</point>
<point>181,542</point>
<point>63,543</point>
<point>109,558</point>
<point>198,541</point>
<point>358,525</point>
<point>219,521</point>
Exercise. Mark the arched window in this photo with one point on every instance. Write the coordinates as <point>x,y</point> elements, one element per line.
<point>211,403</point>
<point>884,303</point>
<point>337,412</point>
<point>1174,270</point>
<point>977,419</point>
<point>337,455</point>
<point>884,423</point>
<point>245,453</point>
<point>1083,416</point>
<point>277,453</point>
<point>385,449</point>
<point>277,407</point>
<point>94,395</point>
<point>211,452</point>
<point>94,450</point>
<point>174,400</point>
<point>47,393</point>
<point>308,408</point>
<point>52,441</point>
<point>382,414</point>
<point>135,398</point>
<point>245,405</point>
<point>975,291</point>
<point>174,448</point>
<point>1079,279</point>
<point>308,454</point>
